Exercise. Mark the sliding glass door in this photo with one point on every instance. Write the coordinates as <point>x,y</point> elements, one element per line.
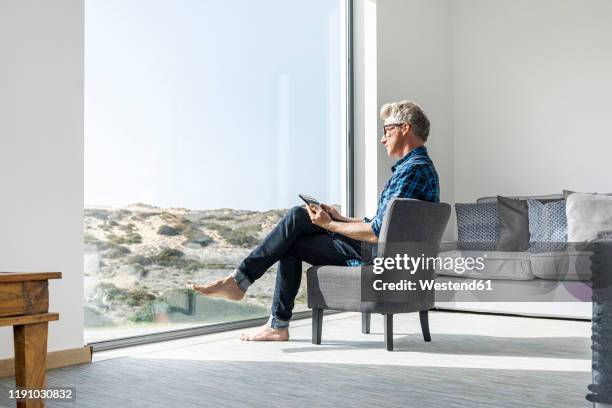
<point>203,121</point>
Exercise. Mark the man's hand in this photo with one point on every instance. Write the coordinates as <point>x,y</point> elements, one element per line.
<point>333,213</point>
<point>352,228</point>
<point>318,216</point>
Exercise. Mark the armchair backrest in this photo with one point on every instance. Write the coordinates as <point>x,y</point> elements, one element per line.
<point>411,221</point>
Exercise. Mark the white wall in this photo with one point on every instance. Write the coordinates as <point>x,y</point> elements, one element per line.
<point>532,104</point>
<point>518,93</point>
<point>41,154</point>
<point>414,61</point>
<point>403,50</point>
<point>532,96</point>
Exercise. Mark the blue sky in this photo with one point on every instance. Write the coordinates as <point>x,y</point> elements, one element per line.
<point>211,104</point>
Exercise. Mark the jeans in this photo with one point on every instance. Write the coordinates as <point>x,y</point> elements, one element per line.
<point>294,239</point>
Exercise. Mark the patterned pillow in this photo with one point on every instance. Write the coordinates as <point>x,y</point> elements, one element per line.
<point>547,225</point>
<point>477,225</point>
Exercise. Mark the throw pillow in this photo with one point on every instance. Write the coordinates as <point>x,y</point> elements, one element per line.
<point>477,225</point>
<point>568,192</point>
<point>589,217</point>
<point>513,224</point>
<point>547,225</point>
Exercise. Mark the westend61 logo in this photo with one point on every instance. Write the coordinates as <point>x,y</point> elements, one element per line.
<point>412,264</point>
<point>422,268</point>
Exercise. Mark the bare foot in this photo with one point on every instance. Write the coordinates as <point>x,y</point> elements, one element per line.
<point>226,288</point>
<point>267,334</point>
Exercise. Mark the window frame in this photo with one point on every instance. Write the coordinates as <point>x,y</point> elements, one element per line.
<point>349,205</point>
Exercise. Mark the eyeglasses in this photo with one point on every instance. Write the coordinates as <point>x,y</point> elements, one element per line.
<point>388,128</point>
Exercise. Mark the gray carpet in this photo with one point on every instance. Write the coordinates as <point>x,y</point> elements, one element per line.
<point>131,382</point>
<point>474,361</point>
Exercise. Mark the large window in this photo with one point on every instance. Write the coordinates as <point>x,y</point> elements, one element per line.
<point>203,121</point>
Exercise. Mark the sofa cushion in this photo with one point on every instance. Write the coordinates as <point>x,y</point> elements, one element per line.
<point>497,265</point>
<point>570,264</point>
<point>477,225</point>
<point>547,225</point>
<point>589,217</point>
<point>513,224</point>
<point>543,198</point>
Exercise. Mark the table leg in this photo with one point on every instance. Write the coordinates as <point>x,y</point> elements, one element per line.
<point>30,360</point>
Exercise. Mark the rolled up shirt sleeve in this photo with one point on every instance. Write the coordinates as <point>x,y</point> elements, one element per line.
<point>375,224</point>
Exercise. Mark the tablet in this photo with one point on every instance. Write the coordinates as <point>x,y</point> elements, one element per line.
<point>309,199</point>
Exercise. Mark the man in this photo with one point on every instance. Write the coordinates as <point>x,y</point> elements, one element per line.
<point>321,236</point>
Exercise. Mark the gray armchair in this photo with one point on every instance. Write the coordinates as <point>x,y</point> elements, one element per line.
<point>407,223</point>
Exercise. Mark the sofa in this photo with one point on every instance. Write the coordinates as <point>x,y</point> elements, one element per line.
<point>551,282</point>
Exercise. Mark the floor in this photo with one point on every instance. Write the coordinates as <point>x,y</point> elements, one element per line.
<point>473,361</point>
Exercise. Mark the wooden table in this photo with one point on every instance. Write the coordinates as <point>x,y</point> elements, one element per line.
<point>24,304</point>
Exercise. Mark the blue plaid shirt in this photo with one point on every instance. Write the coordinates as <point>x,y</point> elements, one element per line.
<point>414,176</point>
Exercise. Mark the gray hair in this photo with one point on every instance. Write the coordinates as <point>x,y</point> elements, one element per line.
<point>406,112</point>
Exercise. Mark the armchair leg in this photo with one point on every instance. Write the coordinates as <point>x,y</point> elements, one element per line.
<point>388,332</point>
<point>424,316</point>
<point>365,322</point>
<point>317,325</point>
